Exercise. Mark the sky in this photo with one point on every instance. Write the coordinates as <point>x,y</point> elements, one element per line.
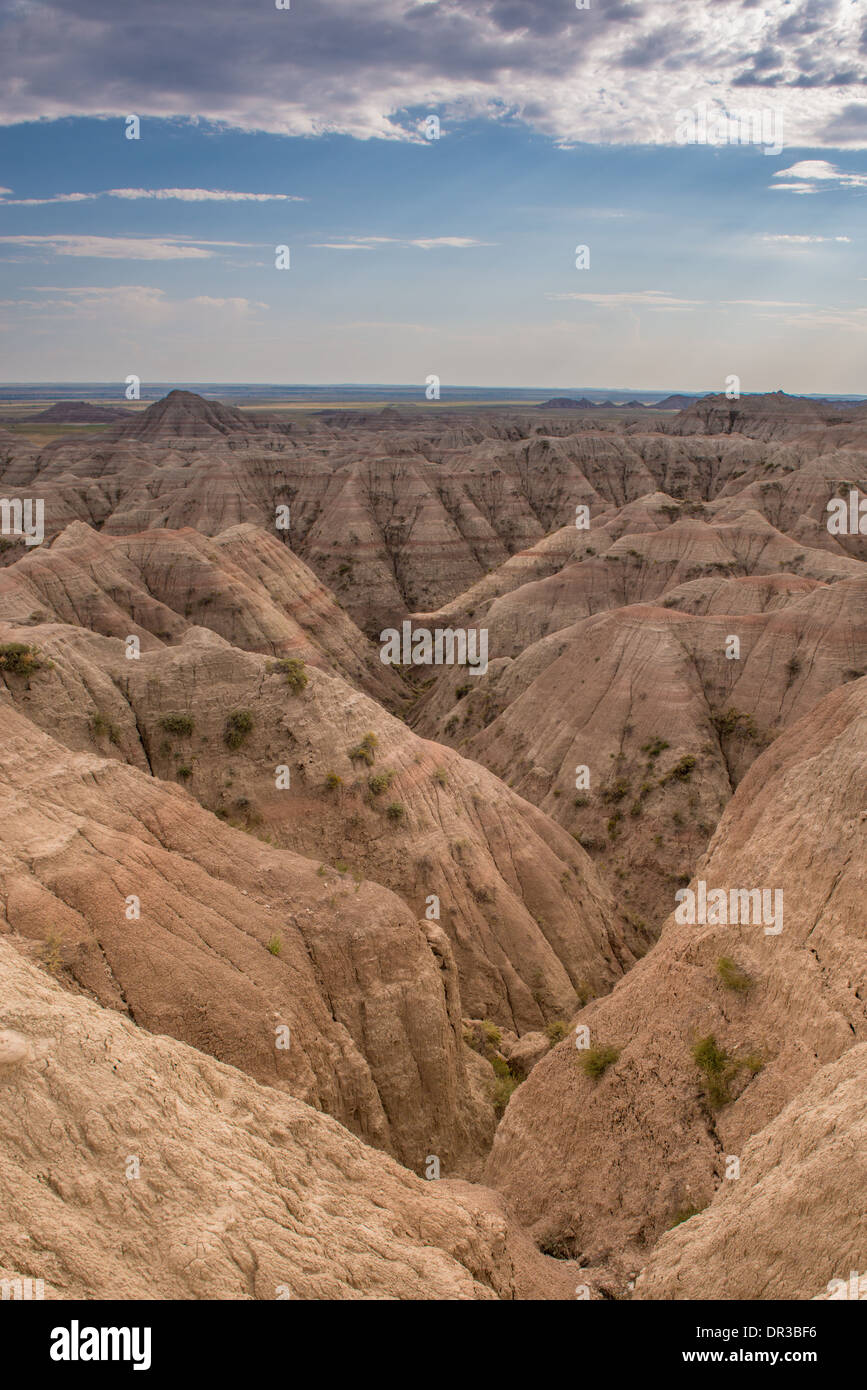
<point>719,243</point>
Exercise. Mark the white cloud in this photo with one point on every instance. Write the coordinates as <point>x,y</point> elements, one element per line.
<point>184,195</point>
<point>121,247</point>
<point>617,72</point>
<point>631,299</point>
<point>795,239</point>
<point>810,174</point>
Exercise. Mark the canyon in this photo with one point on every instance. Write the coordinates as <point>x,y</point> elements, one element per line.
<point>330,972</point>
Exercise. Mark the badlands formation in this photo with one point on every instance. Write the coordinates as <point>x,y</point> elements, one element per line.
<point>327,978</point>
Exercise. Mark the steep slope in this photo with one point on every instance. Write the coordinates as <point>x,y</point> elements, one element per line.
<point>804,1172</point>
<point>603,1167</point>
<point>125,888</point>
<point>528,920</point>
<point>239,1192</point>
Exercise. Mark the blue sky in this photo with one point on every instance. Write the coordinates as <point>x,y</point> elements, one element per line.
<point>455,256</point>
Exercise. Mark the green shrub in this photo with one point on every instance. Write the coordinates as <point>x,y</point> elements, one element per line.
<point>19,659</point>
<point>655,747</point>
<point>292,667</point>
<point>502,1091</point>
<point>185,772</point>
<point>596,1060</point>
<point>556,1031</point>
<point>441,776</point>
<point>380,783</point>
<point>101,727</point>
<point>238,726</point>
<point>395,811</point>
<point>717,1067</point>
<point>681,771</point>
<point>491,1033</point>
<point>732,976</point>
<point>180,724</point>
<point>365,751</point>
<point>275,945</point>
<point>332,780</point>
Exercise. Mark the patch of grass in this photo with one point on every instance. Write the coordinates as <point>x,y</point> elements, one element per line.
<point>332,781</point>
<point>654,747</point>
<point>365,751</point>
<point>292,667</point>
<point>180,724</point>
<point>441,776</point>
<point>594,1061</point>
<point>556,1031</point>
<point>102,727</point>
<point>716,1066</point>
<point>502,1091</point>
<point>51,955</point>
<point>185,772</point>
<point>19,659</point>
<point>275,945</point>
<point>238,727</point>
<point>491,1033</point>
<point>380,783</point>
<point>731,975</point>
<point>682,770</point>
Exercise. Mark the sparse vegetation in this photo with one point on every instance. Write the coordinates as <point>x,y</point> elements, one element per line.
<point>365,751</point>
<point>180,724</point>
<point>594,1061</point>
<point>731,975</point>
<point>238,726</point>
<point>293,668</point>
<point>332,781</point>
<point>380,783</point>
<point>441,776</point>
<point>556,1031</point>
<point>102,727</point>
<point>275,945</point>
<point>395,811</point>
<point>19,659</point>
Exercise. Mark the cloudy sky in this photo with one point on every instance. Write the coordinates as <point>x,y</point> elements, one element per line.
<point>711,154</point>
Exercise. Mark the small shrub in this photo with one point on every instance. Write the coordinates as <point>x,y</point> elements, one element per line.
<point>596,1060</point>
<point>655,747</point>
<point>502,1091</point>
<point>395,811</point>
<point>491,1033</point>
<point>332,780</point>
<point>462,690</point>
<point>180,724</point>
<point>732,976</point>
<point>275,945</point>
<point>185,772</point>
<point>19,659</point>
<point>441,776</point>
<point>294,670</point>
<point>716,1065</point>
<point>682,770</point>
<point>101,727</point>
<point>238,726</point>
<point>556,1031</point>
<point>380,783</point>
<point>365,751</point>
